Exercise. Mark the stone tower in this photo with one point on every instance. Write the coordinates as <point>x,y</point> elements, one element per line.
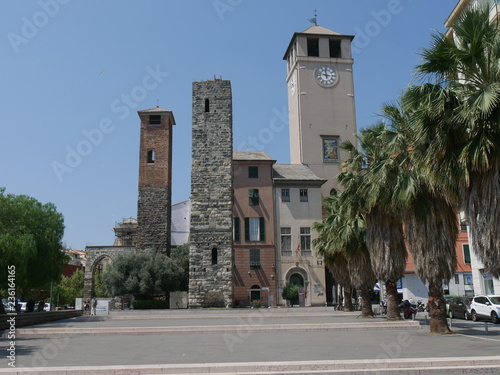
<point>155,179</point>
<point>211,234</point>
<point>321,101</point>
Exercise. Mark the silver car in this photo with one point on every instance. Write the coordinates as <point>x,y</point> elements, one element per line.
<point>485,307</point>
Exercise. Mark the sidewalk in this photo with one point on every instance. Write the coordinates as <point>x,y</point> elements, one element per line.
<point>251,341</point>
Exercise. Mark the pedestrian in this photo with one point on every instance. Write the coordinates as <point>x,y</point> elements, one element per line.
<point>87,306</point>
<point>30,305</point>
<point>41,305</point>
<point>94,306</point>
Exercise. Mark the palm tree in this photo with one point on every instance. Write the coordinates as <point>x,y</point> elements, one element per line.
<point>370,175</point>
<point>342,235</point>
<point>459,120</point>
<point>430,212</point>
<point>334,261</point>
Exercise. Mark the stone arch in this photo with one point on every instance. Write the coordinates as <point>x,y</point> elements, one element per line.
<point>302,272</point>
<point>94,255</point>
<point>297,270</point>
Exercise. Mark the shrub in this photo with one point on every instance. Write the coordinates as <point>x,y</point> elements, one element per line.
<point>291,292</point>
<point>256,303</point>
<point>214,299</point>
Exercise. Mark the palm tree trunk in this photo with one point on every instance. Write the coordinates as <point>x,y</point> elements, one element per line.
<point>366,303</point>
<point>348,300</point>
<point>391,289</point>
<point>437,304</point>
<point>483,217</point>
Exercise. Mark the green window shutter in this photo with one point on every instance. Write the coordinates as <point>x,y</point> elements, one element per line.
<point>466,254</point>
<point>236,229</point>
<point>247,229</point>
<point>262,229</point>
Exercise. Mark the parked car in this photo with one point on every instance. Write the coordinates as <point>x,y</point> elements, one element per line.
<point>485,307</point>
<point>459,307</point>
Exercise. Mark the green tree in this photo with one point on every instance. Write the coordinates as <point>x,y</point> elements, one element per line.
<point>31,241</point>
<point>368,178</point>
<point>343,232</point>
<point>336,262</point>
<point>430,211</point>
<point>100,289</point>
<point>458,115</point>
<point>291,292</point>
<point>70,288</point>
<point>147,274</point>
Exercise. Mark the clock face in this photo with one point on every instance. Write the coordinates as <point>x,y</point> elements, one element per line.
<point>325,76</point>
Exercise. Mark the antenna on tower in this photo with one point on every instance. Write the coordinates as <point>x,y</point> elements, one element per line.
<point>157,103</point>
<point>314,20</point>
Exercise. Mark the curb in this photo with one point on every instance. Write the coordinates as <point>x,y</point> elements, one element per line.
<point>412,366</point>
<point>329,327</point>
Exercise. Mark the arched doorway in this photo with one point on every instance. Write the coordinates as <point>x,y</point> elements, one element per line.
<point>297,279</point>
<point>255,293</point>
<point>95,254</point>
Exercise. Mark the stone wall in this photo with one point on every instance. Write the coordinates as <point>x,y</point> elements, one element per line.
<point>153,218</point>
<point>211,253</point>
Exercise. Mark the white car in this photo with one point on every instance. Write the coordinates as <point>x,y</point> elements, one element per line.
<point>485,307</point>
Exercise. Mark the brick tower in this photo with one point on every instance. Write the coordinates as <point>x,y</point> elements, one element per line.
<point>155,179</point>
<point>211,254</point>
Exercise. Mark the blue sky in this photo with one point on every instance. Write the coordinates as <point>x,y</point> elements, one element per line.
<point>74,73</point>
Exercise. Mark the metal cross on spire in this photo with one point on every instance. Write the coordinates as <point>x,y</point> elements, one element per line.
<point>314,20</point>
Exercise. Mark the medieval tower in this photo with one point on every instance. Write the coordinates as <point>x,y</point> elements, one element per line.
<point>211,235</point>
<point>155,180</point>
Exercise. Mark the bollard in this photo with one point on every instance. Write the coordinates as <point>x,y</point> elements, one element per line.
<point>425,319</point>
<point>486,327</point>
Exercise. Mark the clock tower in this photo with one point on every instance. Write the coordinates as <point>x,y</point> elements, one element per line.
<point>320,100</point>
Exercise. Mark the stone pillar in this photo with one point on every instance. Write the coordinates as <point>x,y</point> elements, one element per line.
<point>211,234</point>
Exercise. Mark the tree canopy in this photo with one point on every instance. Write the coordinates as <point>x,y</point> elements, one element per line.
<point>148,274</point>
<point>31,240</point>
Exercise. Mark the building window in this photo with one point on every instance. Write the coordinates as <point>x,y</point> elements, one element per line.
<point>207,105</point>
<point>254,229</point>
<point>335,48</point>
<point>468,279</point>
<point>236,229</point>
<point>214,255</point>
<point>457,279</point>
<point>151,156</point>
<point>253,197</point>
<point>255,294</point>
<point>466,253</point>
<point>254,259</point>
<point>285,195</point>
<point>330,149</point>
<point>303,195</point>
<point>305,241</point>
<point>286,242</point>
<point>333,192</point>
<point>253,172</point>
<point>313,47</point>
<point>154,119</point>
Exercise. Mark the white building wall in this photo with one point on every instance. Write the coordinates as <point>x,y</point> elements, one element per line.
<point>483,283</point>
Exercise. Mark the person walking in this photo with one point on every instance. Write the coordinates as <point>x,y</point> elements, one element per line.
<point>94,306</point>
<point>41,305</point>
